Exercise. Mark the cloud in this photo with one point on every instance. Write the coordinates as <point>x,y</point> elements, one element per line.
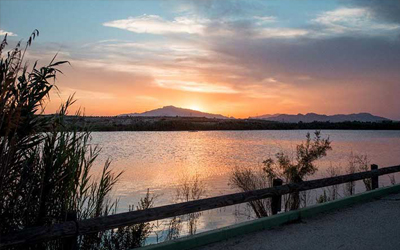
<point>154,24</point>
<point>3,33</point>
<point>265,19</point>
<point>192,86</point>
<point>254,26</point>
<point>328,58</point>
<point>271,79</point>
<point>216,9</point>
<point>344,20</point>
<point>258,57</point>
<point>149,48</point>
<point>281,33</point>
<point>387,11</point>
<point>347,20</point>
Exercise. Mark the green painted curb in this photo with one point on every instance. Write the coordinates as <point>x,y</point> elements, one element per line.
<point>224,233</point>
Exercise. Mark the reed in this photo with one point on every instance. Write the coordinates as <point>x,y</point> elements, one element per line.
<point>45,176</point>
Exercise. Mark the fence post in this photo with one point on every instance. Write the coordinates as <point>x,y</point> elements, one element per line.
<point>71,243</point>
<point>374,179</point>
<point>276,201</point>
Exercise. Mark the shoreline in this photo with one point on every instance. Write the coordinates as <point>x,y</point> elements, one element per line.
<point>191,124</point>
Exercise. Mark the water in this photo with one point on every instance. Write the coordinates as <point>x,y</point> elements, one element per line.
<point>160,160</point>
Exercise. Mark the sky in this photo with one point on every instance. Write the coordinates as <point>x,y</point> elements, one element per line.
<point>236,58</point>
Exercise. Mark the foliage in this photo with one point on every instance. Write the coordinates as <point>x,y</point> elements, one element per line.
<point>362,164</point>
<point>133,236</point>
<point>190,189</point>
<point>357,163</point>
<point>45,176</point>
<point>323,198</point>
<point>333,191</point>
<point>284,168</point>
<point>247,179</point>
<point>392,179</point>
<point>303,166</point>
<point>34,171</point>
<point>123,123</point>
<point>306,154</point>
<point>349,187</point>
<point>174,228</point>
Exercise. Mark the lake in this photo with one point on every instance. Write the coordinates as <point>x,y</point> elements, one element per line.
<point>159,161</point>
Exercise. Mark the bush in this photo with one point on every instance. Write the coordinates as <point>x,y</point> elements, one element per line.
<point>284,168</point>
<point>303,166</point>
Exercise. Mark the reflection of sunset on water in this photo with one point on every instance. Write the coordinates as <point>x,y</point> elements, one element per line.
<point>159,160</point>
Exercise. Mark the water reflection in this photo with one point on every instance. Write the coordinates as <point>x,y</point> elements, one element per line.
<point>158,160</point>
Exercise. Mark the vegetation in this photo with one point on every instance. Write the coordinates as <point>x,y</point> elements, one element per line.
<point>323,198</point>
<point>45,177</point>
<point>191,189</point>
<point>392,179</point>
<point>131,236</point>
<point>188,189</point>
<point>119,123</point>
<point>333,191</point>
<point>363,164</point>
<point>303,166</point>
<point>290,171</point>
<point>357,163</point>
<point>247,179</point>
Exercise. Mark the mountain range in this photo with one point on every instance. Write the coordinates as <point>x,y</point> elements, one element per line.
<point>311,117</point>
<point>172,111</point>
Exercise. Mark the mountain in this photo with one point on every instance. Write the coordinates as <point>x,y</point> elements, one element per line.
<point>311,117</point>
<point>175,111</point>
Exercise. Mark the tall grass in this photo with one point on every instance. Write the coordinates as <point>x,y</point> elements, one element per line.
<point>44,176</point>
<point>247,179</point>
<point>191,189</point>
<point>357,163</point>
<point>130,236</point>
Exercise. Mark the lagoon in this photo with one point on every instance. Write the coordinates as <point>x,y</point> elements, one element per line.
<point>159,161</point>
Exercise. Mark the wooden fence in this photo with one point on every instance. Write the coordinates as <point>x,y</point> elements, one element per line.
<point>71,229</point>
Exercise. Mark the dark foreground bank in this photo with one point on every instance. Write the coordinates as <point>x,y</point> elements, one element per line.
<point>117,123</point>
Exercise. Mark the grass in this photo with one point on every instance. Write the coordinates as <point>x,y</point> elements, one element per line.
<point>45,176</point>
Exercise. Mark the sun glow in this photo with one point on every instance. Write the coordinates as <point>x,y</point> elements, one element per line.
<point>195,107</point>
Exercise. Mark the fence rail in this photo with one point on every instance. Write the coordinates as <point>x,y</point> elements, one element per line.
<point>76,228</point>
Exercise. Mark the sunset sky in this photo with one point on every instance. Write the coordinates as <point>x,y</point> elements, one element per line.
<point>236,58</point>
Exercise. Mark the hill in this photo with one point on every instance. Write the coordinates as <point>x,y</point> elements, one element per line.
<point>172,111</point>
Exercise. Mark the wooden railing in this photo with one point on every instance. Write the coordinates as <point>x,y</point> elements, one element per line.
<point>72,229</point>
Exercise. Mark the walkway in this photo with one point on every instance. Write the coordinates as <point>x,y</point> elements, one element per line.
<point>371,225</point>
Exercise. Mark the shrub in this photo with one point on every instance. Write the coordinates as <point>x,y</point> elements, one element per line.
<point>283,167</point>
<point>302,167</point>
